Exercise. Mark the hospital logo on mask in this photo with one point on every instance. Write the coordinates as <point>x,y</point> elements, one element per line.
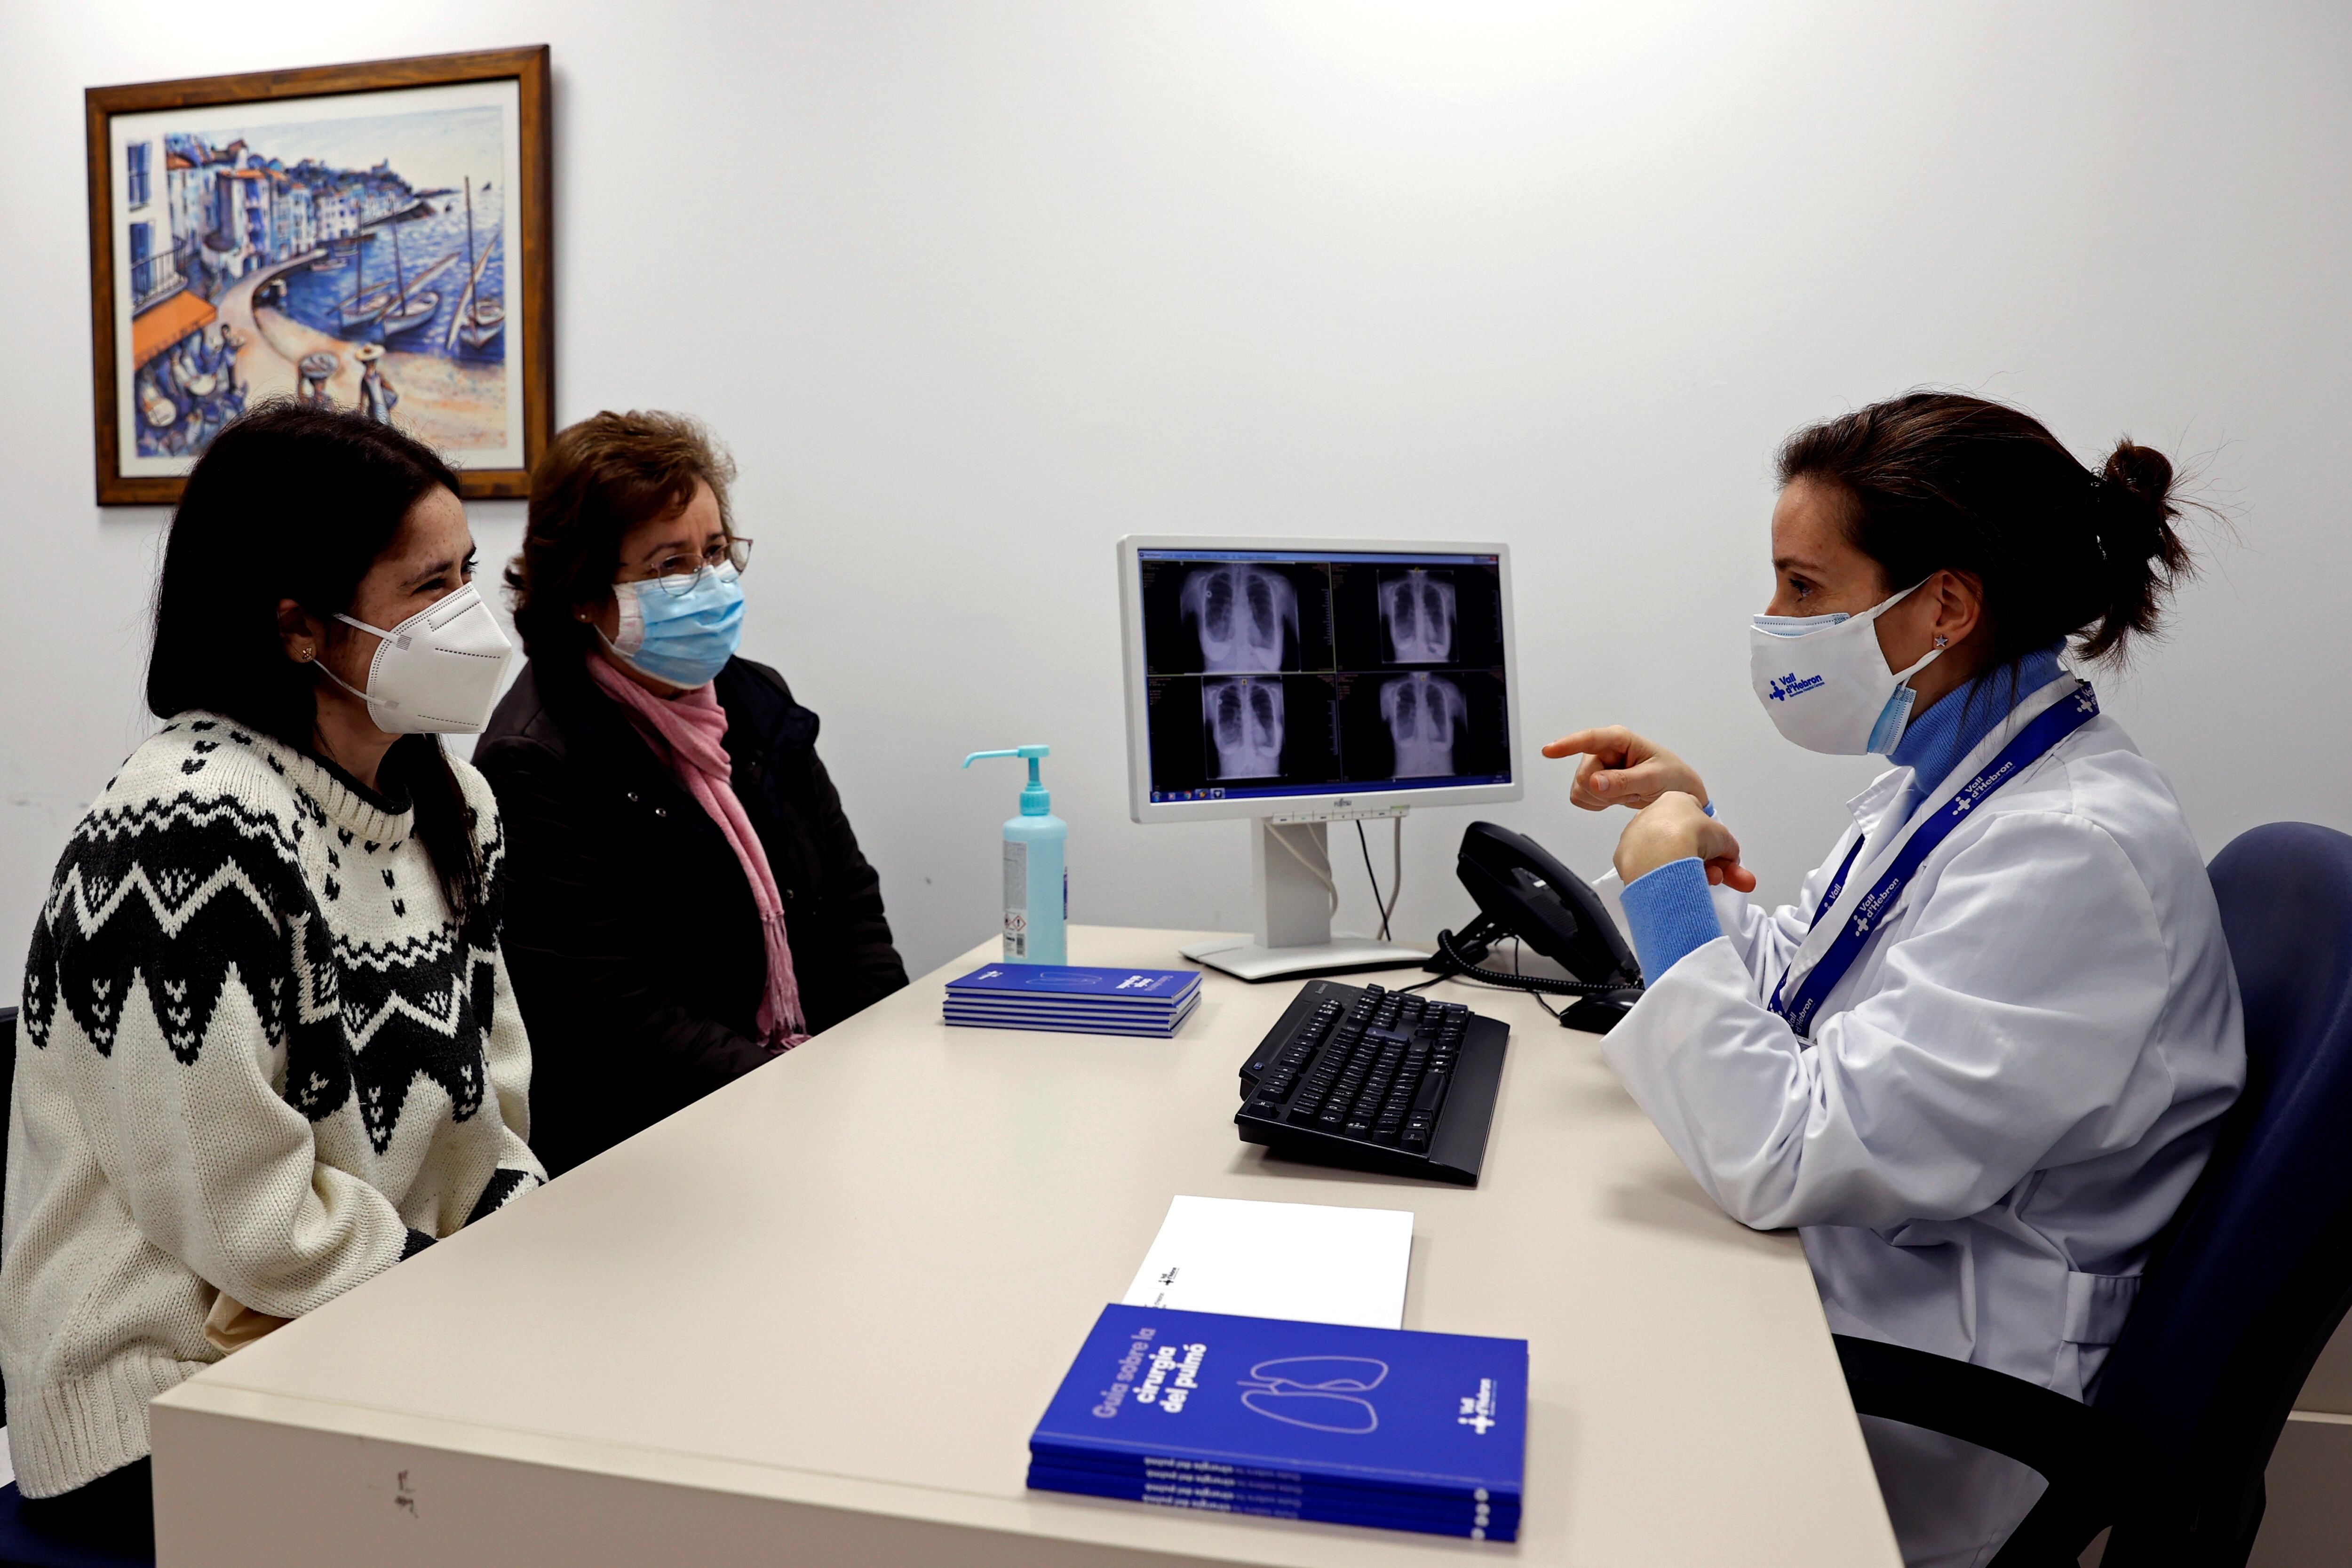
<point>1784,687</point>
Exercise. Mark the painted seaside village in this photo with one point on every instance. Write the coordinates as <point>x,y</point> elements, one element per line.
<point>251,277</point>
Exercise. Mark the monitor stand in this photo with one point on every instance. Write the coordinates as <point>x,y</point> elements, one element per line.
<point>1294,915</point>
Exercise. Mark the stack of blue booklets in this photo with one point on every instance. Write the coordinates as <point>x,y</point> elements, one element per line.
<point>1153,1002</point>
<point>1383,1427</point>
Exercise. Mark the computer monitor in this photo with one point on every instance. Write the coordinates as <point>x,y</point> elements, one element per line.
<point>1307,681</point>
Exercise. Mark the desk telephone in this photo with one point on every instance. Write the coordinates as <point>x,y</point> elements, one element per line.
<point>1521,892</point>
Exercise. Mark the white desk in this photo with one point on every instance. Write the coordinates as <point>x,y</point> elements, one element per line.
<point>811,1320</point>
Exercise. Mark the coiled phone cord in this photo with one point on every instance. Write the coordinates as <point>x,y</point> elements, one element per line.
<point>1464,969</point>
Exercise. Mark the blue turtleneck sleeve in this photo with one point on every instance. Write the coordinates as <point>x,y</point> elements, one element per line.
<point>1670,914</point>
<point>1934,742</point>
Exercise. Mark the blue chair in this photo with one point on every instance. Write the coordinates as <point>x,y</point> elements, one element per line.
<point>2247,1284</point>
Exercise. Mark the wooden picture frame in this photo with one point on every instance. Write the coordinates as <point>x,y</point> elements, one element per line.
<point>298,233</point>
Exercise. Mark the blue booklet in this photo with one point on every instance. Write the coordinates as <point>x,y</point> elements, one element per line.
<point>955,1008</point>
<point>1414,1420</point>
<point>1031,1007</point>
<point>1202,1481</point>
<point>1478,1521</point>
<point>1137,1028</point>
<point>1047,982</point>
<point>1208,1474</point>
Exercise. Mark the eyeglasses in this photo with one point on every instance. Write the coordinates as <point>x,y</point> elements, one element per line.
<point>678,574</point>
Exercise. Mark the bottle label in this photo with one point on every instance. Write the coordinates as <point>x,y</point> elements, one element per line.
<point>1016,899</point>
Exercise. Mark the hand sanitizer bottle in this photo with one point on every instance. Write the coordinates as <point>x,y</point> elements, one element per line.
<point>1037,884</point>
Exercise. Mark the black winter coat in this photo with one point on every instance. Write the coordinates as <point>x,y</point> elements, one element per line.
<point>631,936</point>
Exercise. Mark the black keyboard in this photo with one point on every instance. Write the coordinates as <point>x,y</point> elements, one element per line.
<point>1376,1080</point>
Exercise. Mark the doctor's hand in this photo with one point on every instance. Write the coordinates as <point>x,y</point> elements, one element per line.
<point>1620,768</point>
<point>1673,828</point>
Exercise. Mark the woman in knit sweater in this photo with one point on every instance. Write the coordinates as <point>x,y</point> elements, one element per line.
<point>270,1048</point>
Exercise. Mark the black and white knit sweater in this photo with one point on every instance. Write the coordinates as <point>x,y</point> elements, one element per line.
<point>258,1058</point>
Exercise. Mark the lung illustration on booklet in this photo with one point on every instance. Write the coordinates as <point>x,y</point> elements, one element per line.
<point>1274,672</point>
<point>1282,1390</point>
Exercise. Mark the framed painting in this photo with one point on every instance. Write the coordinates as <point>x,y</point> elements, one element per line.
<point>375,236</point>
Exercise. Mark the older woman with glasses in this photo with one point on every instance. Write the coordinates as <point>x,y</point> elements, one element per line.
<point>662,797</point>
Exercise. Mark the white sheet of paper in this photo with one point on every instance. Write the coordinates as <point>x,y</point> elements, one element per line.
<point>1311,1262</point>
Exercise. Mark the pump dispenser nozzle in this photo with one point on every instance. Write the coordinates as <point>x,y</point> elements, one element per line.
<point>1035,801</point>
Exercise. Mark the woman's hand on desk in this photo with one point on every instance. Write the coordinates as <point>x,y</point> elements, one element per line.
<point>1620,768</point>
<point>1673,827</point>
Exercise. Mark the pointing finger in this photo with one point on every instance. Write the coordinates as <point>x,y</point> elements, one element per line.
<point>1606,740</point>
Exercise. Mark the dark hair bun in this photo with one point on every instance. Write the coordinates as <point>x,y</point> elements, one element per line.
<point>2136,487</point>
<point>2132,514</point>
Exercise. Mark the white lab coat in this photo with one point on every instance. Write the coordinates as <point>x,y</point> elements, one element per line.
<point>2003,1100</point>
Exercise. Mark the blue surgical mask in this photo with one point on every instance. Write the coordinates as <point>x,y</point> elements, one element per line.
<point>681,635</point>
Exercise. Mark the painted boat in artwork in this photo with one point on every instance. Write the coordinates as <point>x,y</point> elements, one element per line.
<point>477,322</point>
<point>414,304</point>
<point>362,307</point>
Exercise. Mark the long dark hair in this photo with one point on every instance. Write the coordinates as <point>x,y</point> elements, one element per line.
<point>295,502</point>
<point>1944,481</point>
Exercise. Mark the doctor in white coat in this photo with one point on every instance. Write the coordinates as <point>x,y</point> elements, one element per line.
<point>1979,1063</point>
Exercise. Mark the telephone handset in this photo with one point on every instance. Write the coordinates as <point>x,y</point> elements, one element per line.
<point>1521,892</point>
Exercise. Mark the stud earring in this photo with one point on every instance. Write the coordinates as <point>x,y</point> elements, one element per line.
<point>1941,641</point>
<point>306,655</point>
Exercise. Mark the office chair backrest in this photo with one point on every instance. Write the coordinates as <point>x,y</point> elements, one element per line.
<point>2258,1266</point>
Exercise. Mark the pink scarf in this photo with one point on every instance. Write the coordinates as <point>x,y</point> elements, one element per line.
<point>689,732</point>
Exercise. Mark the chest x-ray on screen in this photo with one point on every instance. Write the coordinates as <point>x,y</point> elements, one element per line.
<point>1417,614</point>
<point>1244,720</point>
<point>1424,715</point>
<point>1240,613</point>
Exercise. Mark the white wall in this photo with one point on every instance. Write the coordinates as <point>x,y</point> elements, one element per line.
<point>974,289</point>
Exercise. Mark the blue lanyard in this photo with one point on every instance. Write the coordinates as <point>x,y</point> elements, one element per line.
<point>2049,727</point>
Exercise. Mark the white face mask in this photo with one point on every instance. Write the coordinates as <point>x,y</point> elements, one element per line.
<point>436,673</point>
<point>1826,684</point>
